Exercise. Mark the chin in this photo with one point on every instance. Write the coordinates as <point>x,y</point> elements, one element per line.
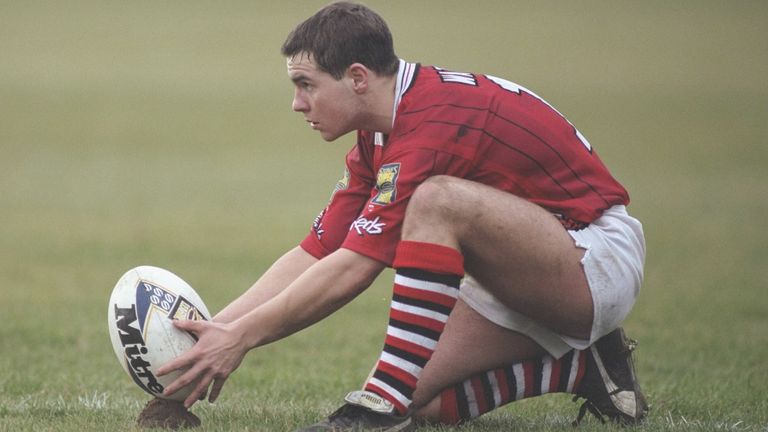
<point>331,136</point>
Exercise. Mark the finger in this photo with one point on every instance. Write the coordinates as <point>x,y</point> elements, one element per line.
<point>199,389</point>
<point>193,326</point>
<point>181,362</point>
<point>218,384</point>
<point>183,380</point>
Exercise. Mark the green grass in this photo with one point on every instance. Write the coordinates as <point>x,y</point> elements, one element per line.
<point>161,133</point>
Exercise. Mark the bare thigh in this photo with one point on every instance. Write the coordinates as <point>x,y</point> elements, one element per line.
<point>514,248</point>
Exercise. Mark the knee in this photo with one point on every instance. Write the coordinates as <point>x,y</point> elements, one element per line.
<point>436,211</point>
<point>435,196</point>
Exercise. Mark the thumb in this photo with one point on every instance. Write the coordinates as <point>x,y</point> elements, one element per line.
<point>192,326</point>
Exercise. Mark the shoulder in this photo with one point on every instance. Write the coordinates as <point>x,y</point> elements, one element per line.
<point>433,83</point>
<point>442,97</point>
<point>437,92</point>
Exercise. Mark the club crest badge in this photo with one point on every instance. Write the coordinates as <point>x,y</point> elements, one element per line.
<point>342,184</point>
<point>386,184</point>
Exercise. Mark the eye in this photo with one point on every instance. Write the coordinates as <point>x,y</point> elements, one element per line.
<point>303,85</point>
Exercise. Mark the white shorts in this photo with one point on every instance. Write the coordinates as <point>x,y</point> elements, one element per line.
<point>613,263</point>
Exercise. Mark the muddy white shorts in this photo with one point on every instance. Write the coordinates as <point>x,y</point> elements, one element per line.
<point>613,263</point>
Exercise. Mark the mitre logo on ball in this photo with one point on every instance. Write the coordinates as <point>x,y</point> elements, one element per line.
<point>143,305</point>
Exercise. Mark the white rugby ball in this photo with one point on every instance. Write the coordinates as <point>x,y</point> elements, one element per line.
<point>142,307</point>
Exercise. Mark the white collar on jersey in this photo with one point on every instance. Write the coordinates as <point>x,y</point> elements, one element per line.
<point>405,73</point>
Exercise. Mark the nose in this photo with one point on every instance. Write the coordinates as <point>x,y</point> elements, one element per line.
<point>299,104</point>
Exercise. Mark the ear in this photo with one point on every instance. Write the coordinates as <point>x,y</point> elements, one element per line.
<point>359,74</point>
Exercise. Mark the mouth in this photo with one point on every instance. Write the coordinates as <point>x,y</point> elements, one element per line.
<point>313,124</point>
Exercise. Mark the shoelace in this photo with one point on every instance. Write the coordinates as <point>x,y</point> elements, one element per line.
<point>631,345</point>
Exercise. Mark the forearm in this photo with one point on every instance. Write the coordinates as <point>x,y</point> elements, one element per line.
<point>321,290</point>
<point>280,275</point>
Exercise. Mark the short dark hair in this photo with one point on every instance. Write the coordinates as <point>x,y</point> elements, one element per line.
<point>341,34</point>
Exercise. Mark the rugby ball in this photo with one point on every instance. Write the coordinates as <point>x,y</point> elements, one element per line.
<point>142,306</point>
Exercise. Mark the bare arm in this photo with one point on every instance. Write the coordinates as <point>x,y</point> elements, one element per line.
<point>281,274</point>
<point>318,292</point>
<point>323,288</point>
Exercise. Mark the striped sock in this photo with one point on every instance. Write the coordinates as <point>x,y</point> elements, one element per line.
<point>425,290</point>
<point>487,391</point>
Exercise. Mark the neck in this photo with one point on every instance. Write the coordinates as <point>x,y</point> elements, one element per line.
<point>381,104</point>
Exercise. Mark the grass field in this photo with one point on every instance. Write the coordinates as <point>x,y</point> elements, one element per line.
<point>161,133</point>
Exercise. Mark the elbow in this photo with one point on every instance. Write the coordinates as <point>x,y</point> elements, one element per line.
<point>360,270</point>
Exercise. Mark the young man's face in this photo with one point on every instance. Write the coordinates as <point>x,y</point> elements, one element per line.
<point>329,105</point>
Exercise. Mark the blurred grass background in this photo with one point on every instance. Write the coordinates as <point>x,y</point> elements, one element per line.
<point>161,133</point>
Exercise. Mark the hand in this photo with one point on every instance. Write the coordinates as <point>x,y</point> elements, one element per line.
<point>217,353</point>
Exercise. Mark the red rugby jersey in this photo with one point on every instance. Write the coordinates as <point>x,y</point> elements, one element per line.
<point>476,127</point>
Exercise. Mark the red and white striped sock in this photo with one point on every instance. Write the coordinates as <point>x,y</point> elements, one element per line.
<point>485,392</point>
<point>426,288</point>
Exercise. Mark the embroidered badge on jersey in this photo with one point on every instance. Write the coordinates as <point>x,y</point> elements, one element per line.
<point>317,224</point>
<point>342,184</point>
<point>386,184</point>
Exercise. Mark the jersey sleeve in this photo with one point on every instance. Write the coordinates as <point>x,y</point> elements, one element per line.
<point>375,233</point>
<point>350,194</point>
